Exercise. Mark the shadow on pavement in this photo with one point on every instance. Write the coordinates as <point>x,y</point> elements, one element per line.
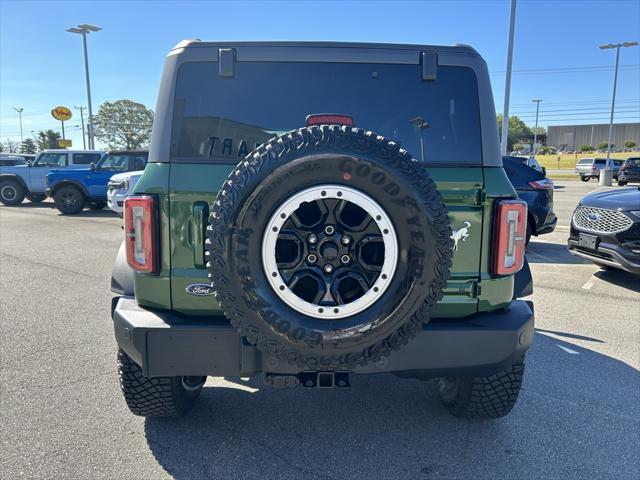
<point>620,278</point>
<point>544,252</point>
<point>570,335</point>
<point>577,417</point>
<point>104,213</point>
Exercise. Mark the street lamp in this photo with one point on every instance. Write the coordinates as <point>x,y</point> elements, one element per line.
<point>535,132</point>
<point>20,110</point>
<point>606,176</point>
<point>84,29</point>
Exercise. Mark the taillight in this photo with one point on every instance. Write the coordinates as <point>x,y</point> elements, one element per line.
<point>140,233</point>
<point>510,237</point>
<point>544,184</point>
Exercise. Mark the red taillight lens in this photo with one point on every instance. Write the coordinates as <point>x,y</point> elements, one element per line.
<point>544,184</point>
<point>511,234</point>
<point>329,119</point>
<point>140,233</point>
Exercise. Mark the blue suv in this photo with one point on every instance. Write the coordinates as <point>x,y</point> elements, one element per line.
<point>72,190</point>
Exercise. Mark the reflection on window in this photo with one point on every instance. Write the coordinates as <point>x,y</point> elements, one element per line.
<point>51,160</point>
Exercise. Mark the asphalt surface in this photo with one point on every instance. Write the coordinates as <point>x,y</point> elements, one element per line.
<point>62,415</point>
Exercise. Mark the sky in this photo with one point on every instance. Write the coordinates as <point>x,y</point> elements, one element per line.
<point>556,55</point>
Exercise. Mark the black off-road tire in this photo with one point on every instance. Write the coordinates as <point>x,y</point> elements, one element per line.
<point>584,178</point>
<point>154,397</point>
<point>305,158</point>
<point>36,197</point>
<point>97,205</point>
<point>482,397</point>
<point>11,192</point>
<point>621,183</point>
<point>69,200</point>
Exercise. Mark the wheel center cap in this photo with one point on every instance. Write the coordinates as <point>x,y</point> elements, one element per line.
<point>329,251</point>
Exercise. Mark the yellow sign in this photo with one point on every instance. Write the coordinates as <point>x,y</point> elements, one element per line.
<point>64,143</point>
<point>61,113</point>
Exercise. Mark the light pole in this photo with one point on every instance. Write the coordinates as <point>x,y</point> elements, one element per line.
<point>84,142</point>
<point>507,83</point>
<point>607,174</point>
<point>84,29</point>
<point>535,132</point>
<point>20,110</point>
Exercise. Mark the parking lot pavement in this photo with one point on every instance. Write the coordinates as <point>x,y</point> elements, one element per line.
<point>62,415</point>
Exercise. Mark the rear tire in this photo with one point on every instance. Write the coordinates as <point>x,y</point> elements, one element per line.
<point>36,197</point>
<point>11,192</point>
<point>69,200</point>
<point>621,183</point>
<point>158,396</point>
<point>493,396</point>
<point>584,178</point>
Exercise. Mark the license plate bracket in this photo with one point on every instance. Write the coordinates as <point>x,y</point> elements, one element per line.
<point>588,241</point>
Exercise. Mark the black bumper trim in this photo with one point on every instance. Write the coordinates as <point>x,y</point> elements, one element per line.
<point>617,259</point>
<point>165,343</point>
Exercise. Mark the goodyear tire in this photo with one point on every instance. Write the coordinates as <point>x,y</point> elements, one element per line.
<point>493,396</point>
<point>328,247</point>
<point>69,200</point>
<point>157,396</point>
<point>11,192</point>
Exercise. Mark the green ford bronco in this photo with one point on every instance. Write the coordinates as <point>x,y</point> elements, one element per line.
<point>314,211</point>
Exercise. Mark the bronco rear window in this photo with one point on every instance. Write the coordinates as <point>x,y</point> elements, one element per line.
<point>220,119</point>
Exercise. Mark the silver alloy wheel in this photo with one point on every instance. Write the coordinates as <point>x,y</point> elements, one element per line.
<point>332,289</point>
<point>9,192</point>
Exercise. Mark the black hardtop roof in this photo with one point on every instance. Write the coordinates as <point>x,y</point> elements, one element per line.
<point>457,48</point>
<point>124,152</point>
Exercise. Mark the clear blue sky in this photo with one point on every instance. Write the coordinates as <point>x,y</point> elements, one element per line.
<point>41,65</point>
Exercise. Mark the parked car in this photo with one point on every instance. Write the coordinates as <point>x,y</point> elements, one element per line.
<point>629,171</point>
<point>535,189</point>
<point>11,160</point>
<point>72,190</point>
<point>326,237</point>
<point>119,187</point>
<point>20,181</point>
<point>531,162</point>
<point>588,168</point>
<point>605,228</point>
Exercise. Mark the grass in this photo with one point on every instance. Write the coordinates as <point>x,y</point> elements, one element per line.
<point>565,161</point>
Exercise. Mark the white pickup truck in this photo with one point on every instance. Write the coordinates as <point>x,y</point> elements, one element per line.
<point>20,181</point>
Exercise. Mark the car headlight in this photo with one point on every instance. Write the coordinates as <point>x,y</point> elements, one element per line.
<point>125,185</point>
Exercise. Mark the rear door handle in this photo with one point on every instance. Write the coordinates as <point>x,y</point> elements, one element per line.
<point>198,225</point>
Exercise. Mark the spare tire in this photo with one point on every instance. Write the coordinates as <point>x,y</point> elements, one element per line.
<point>328,247</point>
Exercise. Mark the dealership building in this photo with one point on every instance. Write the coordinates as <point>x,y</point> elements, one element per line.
<point>570,137</point>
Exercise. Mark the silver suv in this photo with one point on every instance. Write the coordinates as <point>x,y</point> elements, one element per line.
<point>589,168</point>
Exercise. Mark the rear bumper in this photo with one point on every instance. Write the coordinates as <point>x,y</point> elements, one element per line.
<point>548,225</point>
<point>165,343</point>
<point>608,254</point>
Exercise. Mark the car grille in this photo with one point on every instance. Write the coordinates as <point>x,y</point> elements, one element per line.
<point>599,220</point>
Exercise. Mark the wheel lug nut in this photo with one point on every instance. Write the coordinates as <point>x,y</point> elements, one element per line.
<point>346,240</point>
<point>312,258</point>
<point>345,259</point>
<point>328,268</point>
<point>312,239</point>
<point>329,230</point>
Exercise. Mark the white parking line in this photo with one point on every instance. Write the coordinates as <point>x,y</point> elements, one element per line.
<point>568,350</point>
<point>589,284</point>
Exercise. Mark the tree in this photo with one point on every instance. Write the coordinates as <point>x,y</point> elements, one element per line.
<point>28,146</point>
<point>544,150</point>
<point>12,146</point>
<point>630,144</point>
<point>517,147</point>
<point>123,124</point>
<point>603,146</point>
<point>47,139</point>
<point>518,131</point>
<point>1,147</point>
<point>539,130</point>
<point>586,148</point>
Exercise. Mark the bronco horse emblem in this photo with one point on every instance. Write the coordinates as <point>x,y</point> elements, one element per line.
<point>461,234</point>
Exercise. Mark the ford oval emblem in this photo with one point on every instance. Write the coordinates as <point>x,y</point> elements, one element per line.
<point>594,217</point>
<point>200,289</point>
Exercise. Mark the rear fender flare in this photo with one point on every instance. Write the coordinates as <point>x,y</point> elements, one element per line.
<point>17,178</point>
<point>122,274</point>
